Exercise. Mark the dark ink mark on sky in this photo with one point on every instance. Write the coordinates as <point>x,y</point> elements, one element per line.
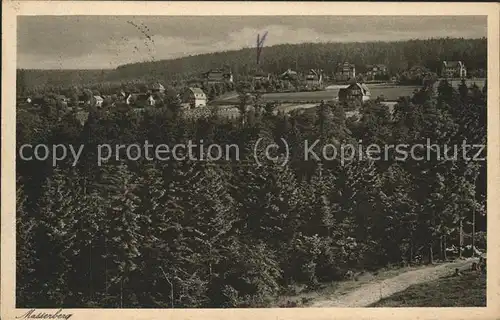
<point>144,30</point>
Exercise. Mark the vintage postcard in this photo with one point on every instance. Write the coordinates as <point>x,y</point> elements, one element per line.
<point>210,160</point>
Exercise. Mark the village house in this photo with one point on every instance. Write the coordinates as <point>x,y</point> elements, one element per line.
<point>193,98</point>
<point>145,99</point>
<point>157,88</point>
<point>376,71</point>
<point>38,101</point>
<point>22,100</point>
<point>355,92</point>
<point>289,75</point>
<point>261,76</point>
<point>314,78</point>
<point>453,69</point>
<point>345,71</point>
<point>142,99</point>
<point>130,99</point>
<point>122,94</point>
<point>289,79</point>
<point>62,98</point>
<point>84,100</point>
<point>217,76</point>
<point>97,101</point>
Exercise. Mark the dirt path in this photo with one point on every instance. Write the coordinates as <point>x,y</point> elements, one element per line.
<point>373,292</point>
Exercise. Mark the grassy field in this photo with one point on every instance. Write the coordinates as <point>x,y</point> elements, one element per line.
<point>468,290</point>
<point>391,92</point>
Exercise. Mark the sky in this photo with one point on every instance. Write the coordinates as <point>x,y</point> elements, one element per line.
<point>103,42</point>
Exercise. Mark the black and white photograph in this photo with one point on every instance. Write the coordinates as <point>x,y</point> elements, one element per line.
<point>250,161</point>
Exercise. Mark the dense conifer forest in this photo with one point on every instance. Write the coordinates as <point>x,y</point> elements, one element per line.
<point>162,234</point>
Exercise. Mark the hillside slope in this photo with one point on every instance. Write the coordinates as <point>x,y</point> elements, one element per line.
<point>396,55</point>
<point>373,292</point>
<point>468,290</point>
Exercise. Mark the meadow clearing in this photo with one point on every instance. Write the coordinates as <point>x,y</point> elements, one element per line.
<point>391,92</point>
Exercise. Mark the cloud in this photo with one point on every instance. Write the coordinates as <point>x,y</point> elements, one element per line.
<point>108,41</point>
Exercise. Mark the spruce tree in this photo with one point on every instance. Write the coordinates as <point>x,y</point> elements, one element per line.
<point>25,254</point>
<point>59,210</point>
<point>122,225</point>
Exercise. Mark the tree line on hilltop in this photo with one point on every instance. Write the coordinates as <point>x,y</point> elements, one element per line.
<point>399,56</point>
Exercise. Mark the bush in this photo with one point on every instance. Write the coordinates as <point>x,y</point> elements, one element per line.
<point>252,271</point>
<point>331,262</point>
<point>300,265</point>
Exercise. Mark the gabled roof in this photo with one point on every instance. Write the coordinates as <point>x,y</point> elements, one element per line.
<point>217,75</point>
<point>315,72</point>
<point>453,64</point>
<point>289,71</point>
<point>131,97</point>
<point>345,64</point>
<point>379,66</point>
<point>364,89</point>
<point>196,91</point>
<point>98,98</point>
<point>157,86</point>
<point>289,74</point>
